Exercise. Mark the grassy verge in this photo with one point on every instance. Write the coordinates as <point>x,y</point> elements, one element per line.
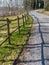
<point>13,26</point>
<point>43,12</point>
<point>9,52</point>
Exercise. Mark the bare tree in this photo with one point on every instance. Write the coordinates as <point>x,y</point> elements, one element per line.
<point>16,6</point>
<point>27,4</point>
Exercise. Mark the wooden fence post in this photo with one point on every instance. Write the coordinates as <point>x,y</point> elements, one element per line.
<point>26,18</point>
<point>8,29</point>
<point>23,19</point>
<point>18,25</point>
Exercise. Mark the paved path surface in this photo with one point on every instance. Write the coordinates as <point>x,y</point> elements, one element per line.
<point>37,50</point>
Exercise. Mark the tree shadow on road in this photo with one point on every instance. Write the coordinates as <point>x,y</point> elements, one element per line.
<point>31,46</point>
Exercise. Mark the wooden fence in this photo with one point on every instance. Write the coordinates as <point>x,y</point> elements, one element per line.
<point>24,18</point>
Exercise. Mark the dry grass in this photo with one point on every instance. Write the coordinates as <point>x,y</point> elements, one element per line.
<point>43,11</point>
<point>46,12</point>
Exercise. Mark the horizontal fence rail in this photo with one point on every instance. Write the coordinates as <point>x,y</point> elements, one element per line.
<point>2,25</point>
<point>8,22</point>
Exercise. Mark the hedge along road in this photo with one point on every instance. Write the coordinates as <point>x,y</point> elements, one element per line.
<point>37,49</point>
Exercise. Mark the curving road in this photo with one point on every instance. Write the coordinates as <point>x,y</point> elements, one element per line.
<point>37,51</point>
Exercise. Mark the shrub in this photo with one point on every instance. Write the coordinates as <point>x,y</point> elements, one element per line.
<point>47,7</point>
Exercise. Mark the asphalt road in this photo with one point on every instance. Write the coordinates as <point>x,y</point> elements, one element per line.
<point>37,51</point>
